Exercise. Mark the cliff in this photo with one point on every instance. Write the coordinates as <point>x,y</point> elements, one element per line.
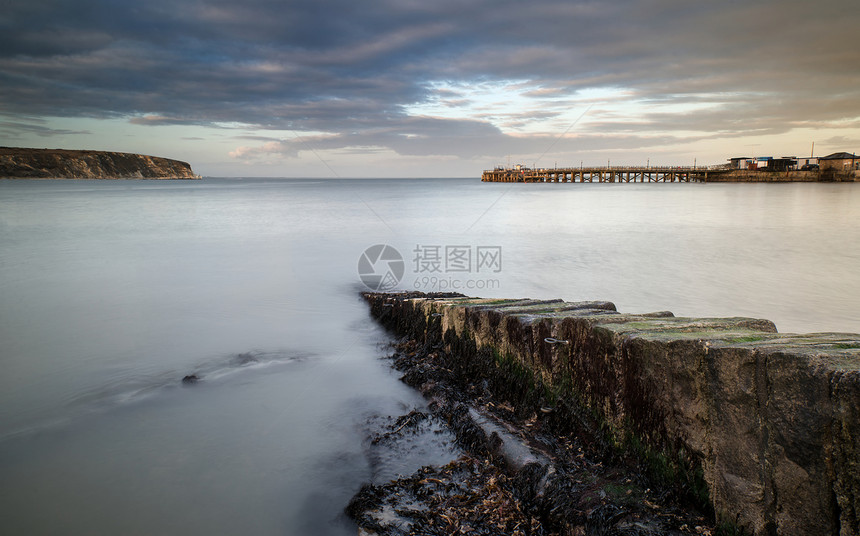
<point>765,424</point>
<point>24,163</point>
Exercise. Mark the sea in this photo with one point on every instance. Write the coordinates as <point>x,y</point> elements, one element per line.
<point>112,292</point>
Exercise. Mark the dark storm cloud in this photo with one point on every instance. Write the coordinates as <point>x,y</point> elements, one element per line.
<point>349,68</point>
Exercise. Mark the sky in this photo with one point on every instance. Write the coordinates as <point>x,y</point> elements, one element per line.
<point>430,88</point>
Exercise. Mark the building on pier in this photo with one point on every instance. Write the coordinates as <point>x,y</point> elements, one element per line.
<point>839,162</point>
<point>763,163</point>
<point>740,162</point>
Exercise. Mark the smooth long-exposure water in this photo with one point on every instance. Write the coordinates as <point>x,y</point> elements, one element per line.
<point>112,292</point>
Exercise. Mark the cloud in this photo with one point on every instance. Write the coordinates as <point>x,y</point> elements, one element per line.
<point>278,148</point>
<point>156,120</point>
<point>14,127</point>
<point>414,77</point>
<point>839,142</point>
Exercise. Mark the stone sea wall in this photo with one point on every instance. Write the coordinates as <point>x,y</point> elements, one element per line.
<point>783,176</point>
<point>770,421</point>
<point>23,163</point>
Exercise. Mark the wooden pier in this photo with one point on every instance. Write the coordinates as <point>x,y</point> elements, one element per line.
<point>604,174</point>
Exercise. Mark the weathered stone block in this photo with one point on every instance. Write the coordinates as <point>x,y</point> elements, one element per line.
<point>771,420</point>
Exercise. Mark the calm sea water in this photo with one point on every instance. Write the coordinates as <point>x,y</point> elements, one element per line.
<point>111,292</point>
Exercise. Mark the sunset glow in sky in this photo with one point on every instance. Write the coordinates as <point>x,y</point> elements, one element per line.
<point>407,88</point>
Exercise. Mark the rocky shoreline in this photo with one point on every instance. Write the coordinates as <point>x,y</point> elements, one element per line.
<point>528,467</point>
<point>26,163</point>
<point>721,419</point>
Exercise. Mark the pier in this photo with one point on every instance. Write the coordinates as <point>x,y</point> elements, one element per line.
<point>604,174</point>
<point>719,173</point>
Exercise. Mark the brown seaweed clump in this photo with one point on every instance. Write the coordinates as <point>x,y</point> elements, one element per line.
<point>467,496</point>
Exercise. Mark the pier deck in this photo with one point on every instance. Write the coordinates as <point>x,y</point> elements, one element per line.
<point>604,174</point>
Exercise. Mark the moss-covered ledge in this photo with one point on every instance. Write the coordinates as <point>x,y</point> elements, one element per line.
<point>770,422</point>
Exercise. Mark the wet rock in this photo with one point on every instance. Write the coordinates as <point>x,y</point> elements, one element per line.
<point>763,427</point>
<point>511,481</point>
<point>466,496</point>
<point>191,378</point>
<point>405,422</point>
<point>245,358</point>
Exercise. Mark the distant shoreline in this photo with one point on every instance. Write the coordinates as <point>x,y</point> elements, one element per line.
<point>101,179</point>
<point>65,164</point>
